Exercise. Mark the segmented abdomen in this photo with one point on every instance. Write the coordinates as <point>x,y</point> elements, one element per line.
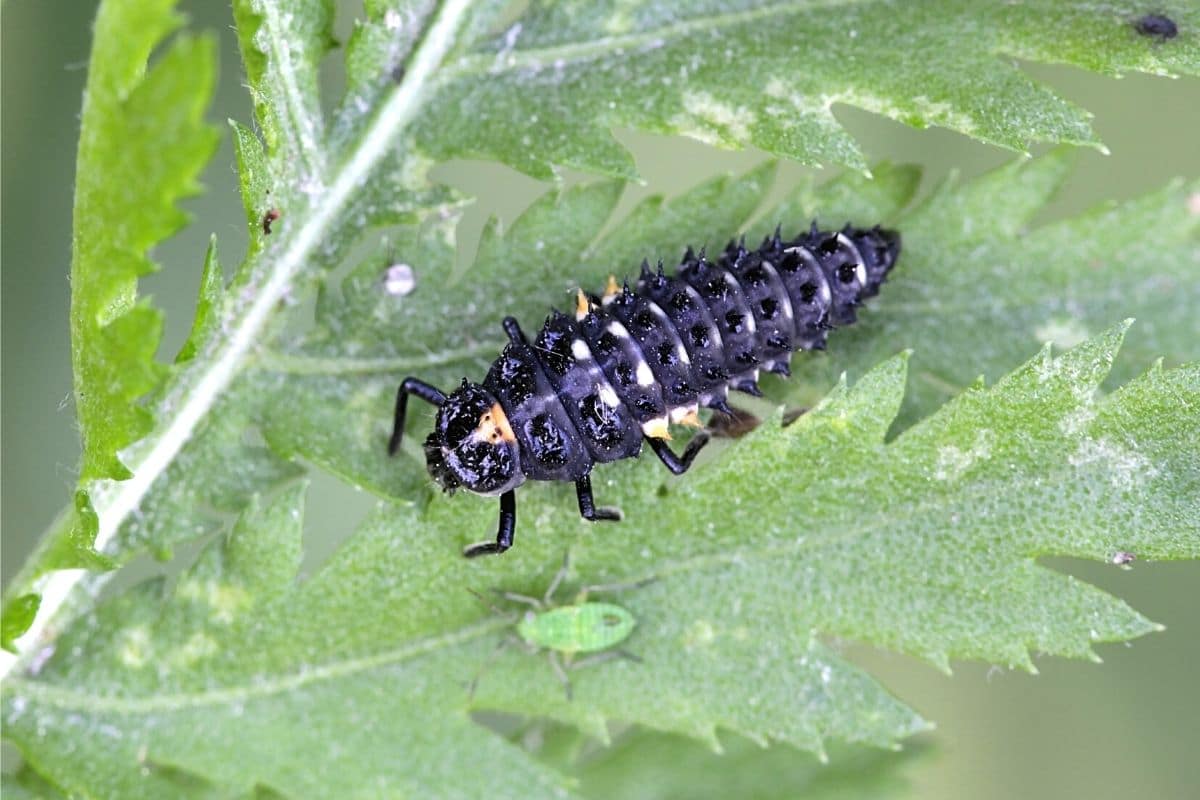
<point>629,362</point>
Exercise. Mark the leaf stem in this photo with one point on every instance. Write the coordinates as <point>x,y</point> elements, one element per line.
<point>246,319</point>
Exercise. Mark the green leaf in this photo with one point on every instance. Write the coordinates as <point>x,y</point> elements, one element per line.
<point>222,653</point>
<point>323,210</point>
<point>127,186</point>
<point>254,179</point>
<point>282,46</point>
<point>925,545</point>
<point>211,291</point>
<point>237,678</point>
<point>17,616</point>
<point>26,784</point>
<point>549,89</point>
<point>643,765</point>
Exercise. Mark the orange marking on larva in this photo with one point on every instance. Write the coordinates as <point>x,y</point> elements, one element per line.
<point>692,420</point>
<point>611,289</point>
<point>583,306</point>
<point>493,426</point>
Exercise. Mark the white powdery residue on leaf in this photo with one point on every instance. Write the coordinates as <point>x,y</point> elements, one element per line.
<point>720,120</point>
<point>1075,422</point>
<point>198,647</point>
<point>953,462</point>
<point>915,109</point>
<point>1062,332</point>
<point>225,600</point>
<point>1045,367</point>
<point>1126,468</point>
<point>135,650</point>
<point>780,89</point>
<point>621,19</point>
<point>700,634</point>
<point>312,187</point>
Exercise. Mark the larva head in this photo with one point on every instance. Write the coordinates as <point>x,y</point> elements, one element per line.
<point>472,444</point>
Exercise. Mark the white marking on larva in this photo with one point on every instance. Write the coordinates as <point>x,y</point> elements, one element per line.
<point>607,395</point>
<point>618,330</point>
<point>399,280</point>
<point>676,414</point>
<point>579,349</point>
<point>683,355</point>
<point>645,377</point>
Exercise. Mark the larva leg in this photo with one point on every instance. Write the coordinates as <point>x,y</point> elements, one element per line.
<point>430,394</point>
<point>587,506</point>
<point>678,464</point>
<point>504,535</point>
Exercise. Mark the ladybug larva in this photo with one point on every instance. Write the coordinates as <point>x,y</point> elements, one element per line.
<point>593,386</point>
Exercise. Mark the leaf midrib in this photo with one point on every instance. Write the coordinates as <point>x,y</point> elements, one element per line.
<point>60,697</point>
<point>486,63</point>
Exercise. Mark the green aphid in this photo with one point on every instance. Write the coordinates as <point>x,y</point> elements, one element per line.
<point>584,627</point>
<point>564,631</point>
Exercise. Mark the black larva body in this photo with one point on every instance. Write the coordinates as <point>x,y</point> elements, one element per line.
<point>594,385</point>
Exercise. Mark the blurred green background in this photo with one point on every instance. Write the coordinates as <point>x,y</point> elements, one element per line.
<point>1129,726</point>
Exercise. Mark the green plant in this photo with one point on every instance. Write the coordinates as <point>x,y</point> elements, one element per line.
<point>917,514</point>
